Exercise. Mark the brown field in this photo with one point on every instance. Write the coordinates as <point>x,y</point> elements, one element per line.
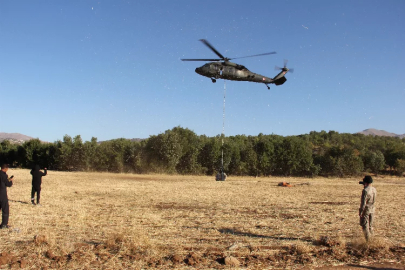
<point>124,221</point>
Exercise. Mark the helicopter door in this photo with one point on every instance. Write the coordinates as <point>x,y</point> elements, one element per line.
<point>228,72</point>
<point>217,70</point>
<point>213,70</point>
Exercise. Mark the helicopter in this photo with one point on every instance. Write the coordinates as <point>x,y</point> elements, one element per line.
<point>228,70</point>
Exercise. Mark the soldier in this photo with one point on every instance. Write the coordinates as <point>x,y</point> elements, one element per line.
<point>4,183</point>
<point>366,210</point>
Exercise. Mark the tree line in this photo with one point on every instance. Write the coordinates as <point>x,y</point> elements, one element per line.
<point>181,151</point>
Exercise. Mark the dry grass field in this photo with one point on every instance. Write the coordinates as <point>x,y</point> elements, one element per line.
<point>124,221</point>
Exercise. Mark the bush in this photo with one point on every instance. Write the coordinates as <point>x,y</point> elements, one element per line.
<point>374,161</point>
<point>400,166</point>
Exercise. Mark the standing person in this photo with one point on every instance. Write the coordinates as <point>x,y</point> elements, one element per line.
<point>4,183</point>
<point>366,210</point>
<point>36,183</point>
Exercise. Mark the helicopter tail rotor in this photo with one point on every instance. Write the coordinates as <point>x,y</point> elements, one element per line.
<point>285,69</point>
<point>280,77</point>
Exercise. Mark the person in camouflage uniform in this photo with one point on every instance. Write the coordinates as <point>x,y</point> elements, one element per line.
<point>366,210</point>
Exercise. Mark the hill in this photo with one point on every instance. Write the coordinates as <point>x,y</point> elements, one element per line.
<point>132,140</point>
<point>21,138</point>
<point>14,137</point>
<point>376,132</point>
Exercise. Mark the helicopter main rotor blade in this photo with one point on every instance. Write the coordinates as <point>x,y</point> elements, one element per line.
<point>253,55</point>
<point>200,59</point>
<point>212,48</point>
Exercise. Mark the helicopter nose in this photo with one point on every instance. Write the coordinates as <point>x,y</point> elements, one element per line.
<point>198,70</point>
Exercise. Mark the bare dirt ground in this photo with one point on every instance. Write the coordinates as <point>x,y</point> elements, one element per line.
<point>123,221</point>
<point>375,266</point>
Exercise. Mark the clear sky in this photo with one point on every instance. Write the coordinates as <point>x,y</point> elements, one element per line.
<point>112,69</point>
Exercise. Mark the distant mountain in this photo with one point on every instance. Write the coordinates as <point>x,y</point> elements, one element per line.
<point>376,132</point>
<point>132,140</point>
<point>136,140</point>
<point>14,137</point>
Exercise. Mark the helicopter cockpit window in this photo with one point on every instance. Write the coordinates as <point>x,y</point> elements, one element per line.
<point>241,67</point>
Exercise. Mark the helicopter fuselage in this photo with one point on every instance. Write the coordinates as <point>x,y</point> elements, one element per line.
<point>235,72</point>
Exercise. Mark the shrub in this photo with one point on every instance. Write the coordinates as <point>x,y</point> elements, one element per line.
<point>400,166</point>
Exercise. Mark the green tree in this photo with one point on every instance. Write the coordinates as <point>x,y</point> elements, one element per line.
<point>393,153</point>
<point>190,149</point>
<point>293,157</point>
<point>111,155</point>
<point>135,157</point>
<point>341,161</point>
<point>374,161</point>
<point>210,154</point>
<point>400,166</point>
<point>248,156</point>
<point>32,152</point>
<point>265,150</point>
<point>164,151</point>
<point>64,151</point>
<point>8,153</point>
<point>78,154</point>
<point>90,154</point>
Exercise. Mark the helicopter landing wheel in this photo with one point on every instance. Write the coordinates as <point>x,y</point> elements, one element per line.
<point>268,87</point>
<point>213,80</point>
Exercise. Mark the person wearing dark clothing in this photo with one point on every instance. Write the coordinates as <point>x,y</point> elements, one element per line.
<point>4,183</point>
<point>36,183</point>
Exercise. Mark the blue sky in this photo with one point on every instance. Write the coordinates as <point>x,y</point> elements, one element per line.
<point>112,69</point>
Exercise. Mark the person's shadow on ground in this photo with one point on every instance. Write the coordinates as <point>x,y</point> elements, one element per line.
<point>19,201</point>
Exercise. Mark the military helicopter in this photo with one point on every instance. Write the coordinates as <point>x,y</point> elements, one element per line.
<point>231,71</point>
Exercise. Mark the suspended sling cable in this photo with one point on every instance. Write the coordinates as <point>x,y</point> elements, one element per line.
<point>223,176</point>
<point>223,113</point>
